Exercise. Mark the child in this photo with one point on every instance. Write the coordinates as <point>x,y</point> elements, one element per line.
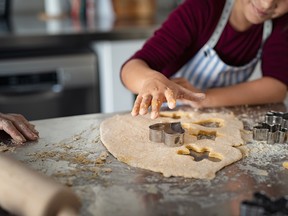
<point>18,127</point>
<point>212,47</point>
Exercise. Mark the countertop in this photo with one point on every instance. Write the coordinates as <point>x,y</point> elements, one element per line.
<point>70,151</point>
<point>28,32</point>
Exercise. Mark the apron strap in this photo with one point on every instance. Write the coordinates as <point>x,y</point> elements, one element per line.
<point>221,23</point>
<point>267,28</point>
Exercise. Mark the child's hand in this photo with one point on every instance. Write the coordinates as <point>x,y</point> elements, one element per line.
<point>186,84</point>
<point>155,91</point>
<point>18,127</point>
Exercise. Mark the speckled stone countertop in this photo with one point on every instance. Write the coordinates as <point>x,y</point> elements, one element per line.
<point>70,151</point>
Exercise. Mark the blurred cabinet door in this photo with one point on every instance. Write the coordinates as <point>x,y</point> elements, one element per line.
<point>114,97</point>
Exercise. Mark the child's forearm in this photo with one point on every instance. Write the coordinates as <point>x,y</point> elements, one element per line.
<point>261,91</point>
<point>135,72</point>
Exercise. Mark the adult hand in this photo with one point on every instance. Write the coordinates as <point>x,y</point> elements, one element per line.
<point>18,127</point>
<point>157,90</point>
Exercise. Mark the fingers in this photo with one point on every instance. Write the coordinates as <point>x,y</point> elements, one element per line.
<point>23,124</point>
<point>170,97</point>
<point>136,107</point>
<point>18,127</point>
<point>10,129</point>
<point>28,131</point>
<point>143,103</point>
<point>155,106</point>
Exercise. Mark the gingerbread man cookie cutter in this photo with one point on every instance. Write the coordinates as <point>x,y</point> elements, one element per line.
<point>171,134</point>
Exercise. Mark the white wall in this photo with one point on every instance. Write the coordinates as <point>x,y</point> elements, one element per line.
<point>111,55</point>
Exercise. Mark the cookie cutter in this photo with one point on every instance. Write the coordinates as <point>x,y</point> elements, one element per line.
<point>172,134</point>
<point>273,129</point>
<point>261,204</point>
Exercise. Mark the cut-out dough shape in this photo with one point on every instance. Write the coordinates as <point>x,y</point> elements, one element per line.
<point>206,135</point>
<point>200,155</point>
<point>127,139</point>
<point>227,123</point>
<point>209,124</point>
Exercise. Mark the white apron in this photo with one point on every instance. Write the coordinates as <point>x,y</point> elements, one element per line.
<point>206,70</point>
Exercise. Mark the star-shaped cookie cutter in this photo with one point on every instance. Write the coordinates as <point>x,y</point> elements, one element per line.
<point>274,129</point>
<point>171,134</point>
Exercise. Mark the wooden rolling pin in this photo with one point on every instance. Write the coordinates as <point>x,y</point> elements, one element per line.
<point>25,192</point>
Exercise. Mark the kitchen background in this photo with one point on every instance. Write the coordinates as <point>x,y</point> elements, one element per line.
<point>29,6</point>
<point>58,58</point>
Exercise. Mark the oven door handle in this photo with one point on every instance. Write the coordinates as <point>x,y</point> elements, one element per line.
<point>31,83</point>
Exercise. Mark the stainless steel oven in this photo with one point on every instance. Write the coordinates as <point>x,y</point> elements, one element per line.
<point>51,86</point>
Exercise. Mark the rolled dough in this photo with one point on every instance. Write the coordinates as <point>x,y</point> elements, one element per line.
<point>285,164</point>
<point>127,139</point>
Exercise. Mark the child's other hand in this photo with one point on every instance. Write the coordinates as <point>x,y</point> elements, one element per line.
<point>186,84</point>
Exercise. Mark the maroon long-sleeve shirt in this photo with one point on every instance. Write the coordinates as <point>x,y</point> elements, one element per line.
<point>190,26</point>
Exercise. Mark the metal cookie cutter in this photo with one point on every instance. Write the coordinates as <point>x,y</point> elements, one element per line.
<point>273,129</point>
<point>172,134</point>
<point>260,133</point>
